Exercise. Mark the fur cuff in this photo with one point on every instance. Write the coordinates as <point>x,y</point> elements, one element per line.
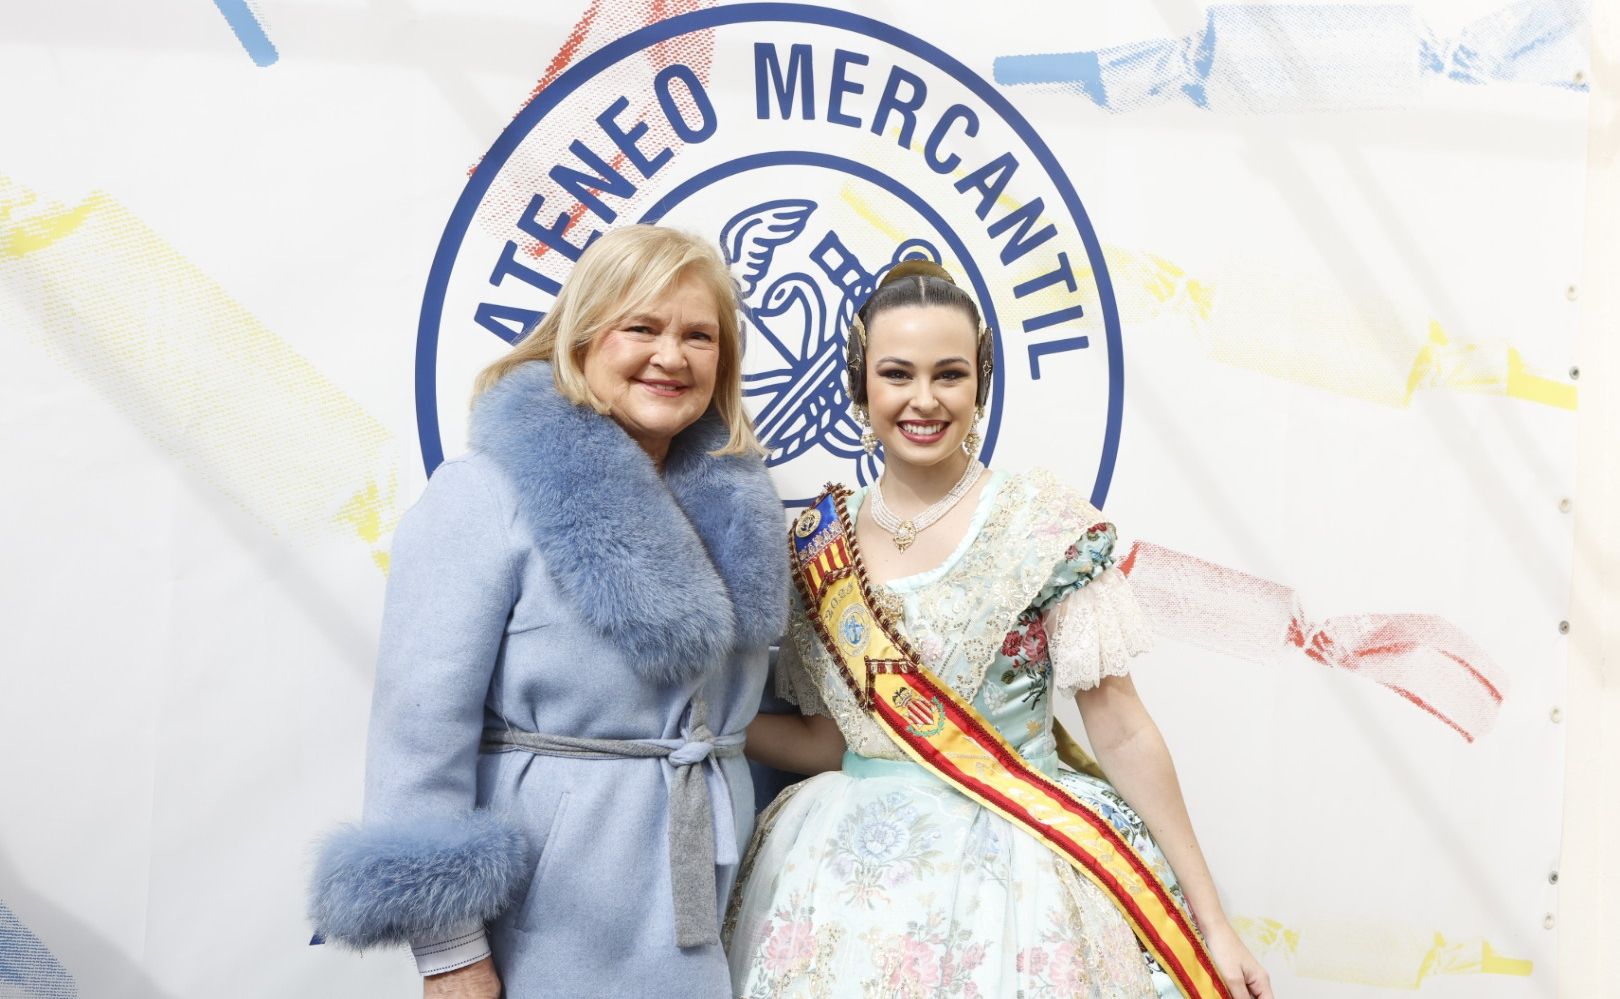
<point>391,882</point>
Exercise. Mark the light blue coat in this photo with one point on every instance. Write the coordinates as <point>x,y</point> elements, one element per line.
<point>551,581</point>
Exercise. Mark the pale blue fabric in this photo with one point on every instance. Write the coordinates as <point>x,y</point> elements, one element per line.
<point>477,635</point>
<point>885,836</point>
<point>480,632</point>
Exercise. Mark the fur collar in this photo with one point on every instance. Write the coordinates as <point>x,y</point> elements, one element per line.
<point>676,570</point>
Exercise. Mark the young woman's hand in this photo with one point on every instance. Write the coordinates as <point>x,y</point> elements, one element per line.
<point>475,981</point>
<point>1244,976</point>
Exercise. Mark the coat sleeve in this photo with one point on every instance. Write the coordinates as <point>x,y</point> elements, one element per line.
<point>425,864</point>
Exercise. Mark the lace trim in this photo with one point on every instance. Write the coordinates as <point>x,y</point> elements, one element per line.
<point>999,576</point>
<point>797,665</point>
<point>1094,632</point>
<point>1033,521</point>
<point>807,676</point>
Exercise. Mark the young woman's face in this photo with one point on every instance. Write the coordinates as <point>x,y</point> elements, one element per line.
<point>656,370</point>
<point>921,382</point>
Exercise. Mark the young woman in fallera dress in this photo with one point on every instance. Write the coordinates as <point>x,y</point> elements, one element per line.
<point>879,878</point>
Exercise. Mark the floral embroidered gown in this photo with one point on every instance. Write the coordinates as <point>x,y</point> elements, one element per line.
<point>881,880</point>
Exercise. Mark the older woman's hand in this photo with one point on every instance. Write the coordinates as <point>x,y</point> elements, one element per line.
<point>475,981</point>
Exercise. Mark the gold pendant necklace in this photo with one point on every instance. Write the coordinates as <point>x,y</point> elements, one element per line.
<point>905,535</point>
<point>904,532</point>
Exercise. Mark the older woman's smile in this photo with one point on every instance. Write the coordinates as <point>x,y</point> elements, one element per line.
<point>656,368</point>
<point>663,387</point>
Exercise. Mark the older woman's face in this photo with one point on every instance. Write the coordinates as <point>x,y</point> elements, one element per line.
<point>656,370</point>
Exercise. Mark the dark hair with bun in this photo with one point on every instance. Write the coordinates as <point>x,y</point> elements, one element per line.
<point>913,283</point>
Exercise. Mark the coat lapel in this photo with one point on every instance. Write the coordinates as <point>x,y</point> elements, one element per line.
<point>676,570</point>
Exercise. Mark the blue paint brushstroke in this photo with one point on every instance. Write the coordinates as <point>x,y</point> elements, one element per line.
<point>248,31</point>
<point>1298,57</point>
<point>1524,42</point>
<point>27,967</point>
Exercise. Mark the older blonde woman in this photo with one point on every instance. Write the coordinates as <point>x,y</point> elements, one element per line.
<point>574,640</point>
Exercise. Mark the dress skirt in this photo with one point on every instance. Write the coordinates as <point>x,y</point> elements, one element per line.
<point>889,883</point>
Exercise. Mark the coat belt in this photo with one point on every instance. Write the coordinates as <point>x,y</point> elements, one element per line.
<point>692,819</point>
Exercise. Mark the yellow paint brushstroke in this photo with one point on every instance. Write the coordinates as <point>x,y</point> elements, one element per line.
<point>371,511</point>
<point>36,232</point>
<point>871,216</point>
<point>1003,200</point>
<point>1293,334</point>
<point>1146,286</point>
<point>1308,338</point>
<point>1266,936</point>
<point>119,305</point>
<point>1151,286</point>
<point>1496,369</point>
<point>1367,953</point>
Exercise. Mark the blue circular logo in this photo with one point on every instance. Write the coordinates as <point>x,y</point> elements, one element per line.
<point>818,148</point>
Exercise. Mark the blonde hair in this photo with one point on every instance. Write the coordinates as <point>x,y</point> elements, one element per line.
<point>617,276</point>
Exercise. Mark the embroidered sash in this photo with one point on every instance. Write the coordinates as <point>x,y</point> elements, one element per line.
<point>943,733</point>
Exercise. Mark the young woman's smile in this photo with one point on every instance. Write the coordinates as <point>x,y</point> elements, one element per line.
<point>922,433</point>
<point>920,384</point>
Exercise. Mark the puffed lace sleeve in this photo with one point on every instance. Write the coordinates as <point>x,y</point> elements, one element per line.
<point>1093,622</point>
<point>796,662</point>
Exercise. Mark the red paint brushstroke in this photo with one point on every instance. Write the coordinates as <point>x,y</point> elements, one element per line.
<point>1423,658</point>
<point>1490,687</point>
<point>574,214</point>
<point>1129,561</point>
<point>563,58</point>
<point>597,26</point>
<point>1426,706</point>
<point>565,55</point>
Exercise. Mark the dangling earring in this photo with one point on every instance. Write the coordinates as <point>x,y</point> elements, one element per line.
<point>868,438</point>
<point>971,442</point>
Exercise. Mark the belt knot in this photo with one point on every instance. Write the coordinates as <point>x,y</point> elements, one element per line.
<point>693,751</point>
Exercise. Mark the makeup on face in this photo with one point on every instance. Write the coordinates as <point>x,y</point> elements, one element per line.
<point>656,369</point>
<point>920,382</point>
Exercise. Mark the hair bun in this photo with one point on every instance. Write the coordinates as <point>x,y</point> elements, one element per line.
<point>917,266</point>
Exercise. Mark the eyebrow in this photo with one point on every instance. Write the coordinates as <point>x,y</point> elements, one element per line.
<point>938,364</point>
<point>647,318</point>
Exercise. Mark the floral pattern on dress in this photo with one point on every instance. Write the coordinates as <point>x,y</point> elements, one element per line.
<point>987,854</point>
<point>794,945</point>
<point>1025,650</point>
<point>957,621</point>
<point>931,958</point>
<point>883,844</point>
<point>1110,805</point>
<point>1024,654</point>
<point>898,886</point>
<point>1080,955</point>
<point>1082,562</point>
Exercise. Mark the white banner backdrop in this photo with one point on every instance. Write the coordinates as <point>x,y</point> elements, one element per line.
<point>1289,289</point>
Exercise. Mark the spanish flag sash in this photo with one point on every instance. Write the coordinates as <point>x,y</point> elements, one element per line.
<point>943,733</point>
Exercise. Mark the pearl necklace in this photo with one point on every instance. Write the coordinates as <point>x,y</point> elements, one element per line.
<point>905,531</point>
